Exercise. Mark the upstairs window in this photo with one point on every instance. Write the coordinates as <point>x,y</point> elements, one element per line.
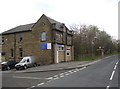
<point>69,40</point>
<point>43,36</point>
<point>20,52</point>
<point>59,37</point>
<point>3,40</point>
<point>20,37</point>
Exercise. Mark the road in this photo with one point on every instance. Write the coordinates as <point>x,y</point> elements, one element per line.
<point>101,74</point>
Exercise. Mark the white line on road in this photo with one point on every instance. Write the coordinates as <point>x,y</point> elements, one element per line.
<point>107,87</point>
<point>40,84</point>
<point>117,63</point>
<point>77,69</point>
<point>67,74</point>
<point>112,75</point>
<point>62,76</point>
<point>56,78</point>
<point>115,67</point>
<point>70,71</point>
<point>61,73</point>
<point>74,71</point>
<point>49,81</point>
<point>50,78</point>
<point>32,86</point>
<point>83,68</point>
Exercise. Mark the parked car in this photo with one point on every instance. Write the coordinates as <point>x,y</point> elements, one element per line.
<point>8,65</point>
<point>26,62</point>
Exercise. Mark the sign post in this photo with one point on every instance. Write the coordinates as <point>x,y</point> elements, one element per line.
<point>102,51</point>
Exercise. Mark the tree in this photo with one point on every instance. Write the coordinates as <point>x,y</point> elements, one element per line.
<point>87,39</point>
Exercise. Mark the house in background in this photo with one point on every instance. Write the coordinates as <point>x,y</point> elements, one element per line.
<point>49,40</point>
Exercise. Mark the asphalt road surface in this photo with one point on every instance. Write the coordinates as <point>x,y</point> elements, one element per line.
<point>101,74</point>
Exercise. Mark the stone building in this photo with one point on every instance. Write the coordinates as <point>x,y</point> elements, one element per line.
<point>49,40</point>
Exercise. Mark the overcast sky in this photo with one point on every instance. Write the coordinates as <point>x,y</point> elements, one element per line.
<point>102,13</point>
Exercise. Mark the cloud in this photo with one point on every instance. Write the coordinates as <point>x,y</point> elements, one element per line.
<point>102,13</point>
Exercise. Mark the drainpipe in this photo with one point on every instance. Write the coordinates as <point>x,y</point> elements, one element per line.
<point>14,47</point>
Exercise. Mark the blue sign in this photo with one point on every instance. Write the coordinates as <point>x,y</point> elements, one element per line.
<point>44,46</point>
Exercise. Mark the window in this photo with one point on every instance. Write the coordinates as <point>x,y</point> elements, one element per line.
<point>59,37</point>
<point>3,40</point>
<point>69,40</point>
<point>28,60</point>
<point>20,37</point>
<point>3,53</point>
<point>20,52</point>
<point>43,36</point>
<point>61,47</point>
<point>12,52</point>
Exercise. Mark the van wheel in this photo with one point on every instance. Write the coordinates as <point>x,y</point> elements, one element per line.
<point>25,67</point>
<point>35,65</point>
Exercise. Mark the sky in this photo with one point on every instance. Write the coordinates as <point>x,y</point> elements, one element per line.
<point>102,13</point>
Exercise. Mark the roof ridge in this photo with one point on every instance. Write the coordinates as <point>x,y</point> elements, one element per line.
<point>52,20</point>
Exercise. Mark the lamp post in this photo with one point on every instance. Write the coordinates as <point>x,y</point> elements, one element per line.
<point>93,44</point>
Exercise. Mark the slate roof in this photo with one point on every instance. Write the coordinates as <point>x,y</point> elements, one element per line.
<point>20,28</point>
<point>27,27</point>
<point>57,24</point>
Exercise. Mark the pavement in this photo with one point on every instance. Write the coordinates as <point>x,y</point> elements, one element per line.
<point>59,66</point>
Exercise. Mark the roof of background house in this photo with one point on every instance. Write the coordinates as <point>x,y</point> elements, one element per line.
<point>28,27</point>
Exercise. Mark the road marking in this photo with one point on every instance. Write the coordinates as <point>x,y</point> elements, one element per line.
<point>49,81</point>
<point>77,69</point>
<point>67,74</point>
<point>70,71</point>
<point>117,62</point>
<point>74,71</point>
<point>115,67</point>
<point>32,86</point>
<point>107,87</point>
<point>112,75</point>
<point>40,84</point>
<point>82,68</point>
<point>28,77</point>
<point>61,74</point>
<point>55,76</point>
<point>50,78</point>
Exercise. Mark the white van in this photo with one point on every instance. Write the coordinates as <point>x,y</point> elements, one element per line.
<point>26,62</point>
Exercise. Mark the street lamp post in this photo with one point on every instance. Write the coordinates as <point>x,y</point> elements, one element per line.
<point>92,45</point>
